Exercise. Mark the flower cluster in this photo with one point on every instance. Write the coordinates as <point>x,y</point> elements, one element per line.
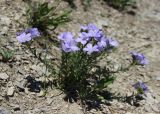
<point>139,58</point>
<point>68,43</point>
<point>90,39</point>
<point>140,87</point>
<point>27,35</point>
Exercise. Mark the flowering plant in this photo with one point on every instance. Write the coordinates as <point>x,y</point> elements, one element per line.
<point>27,35</point>
<point>79,70</point>
<point>141,88</point>
<point>139,58</point>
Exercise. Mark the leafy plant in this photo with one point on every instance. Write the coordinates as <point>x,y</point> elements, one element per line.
<point>79,72</point>
<point>120,4</point>
<point>6,55</point>
<point>42,16</point>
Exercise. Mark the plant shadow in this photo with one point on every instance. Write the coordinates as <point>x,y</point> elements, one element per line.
<point>93,99</point>
<point>122,5</point>
<point>35,86</point>
<point>71,3</point>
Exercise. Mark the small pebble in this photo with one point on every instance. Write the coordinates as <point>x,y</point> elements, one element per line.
<point>4,111</point>
<point>41,93</point>
<point>158,78</point>
<point>4,76</point>
<point>10,91</point>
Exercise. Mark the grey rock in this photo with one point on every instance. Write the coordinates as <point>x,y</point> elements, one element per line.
<point>75,109</point>
<point>49,101</point>
<point>4,30</point>
<point>4,20</point>
<point>1,58</point>
<point>20,71</point>
<point>158,78</point>
<point>26,90</point>
<point>21,84</point>
<point>18,57</point>
<point>4,111</point>
<point>10,91</point>
<point>102,22</point>
<point>17,17</point>
<point>15,107</point>
<point>148,108</point>
<point>41,70</point>
<point>41,93</point>
<point>4,76</point>
<point>146,78</point>
<point>154,15</point>
<point>93,111</point>
<point>155,108</point>
<point>1,98</point>
<point>128,113</point>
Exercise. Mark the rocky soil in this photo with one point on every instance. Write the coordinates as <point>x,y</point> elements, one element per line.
<point>138,32</point>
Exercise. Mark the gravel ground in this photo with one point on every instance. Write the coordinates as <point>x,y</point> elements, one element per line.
<point>138,32</point>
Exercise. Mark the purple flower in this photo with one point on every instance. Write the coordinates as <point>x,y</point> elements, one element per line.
<point>65,36</point>
<point>112,43</point>
<point>33,31</point>
<point>102,43</point>
<point>68,43</point>
<point>89,27</point>
<point>139,58</point>
<point>84,28</point>
<point>23,37</point>
<point>140,87</point>
<point>90,48</point>
<point>69,46</point>
<point>92,39</point>
<point>27,35</point>
<point>96,34</point>
<point>83,38</point>
<point>92,31</point>
<point>92,27</point>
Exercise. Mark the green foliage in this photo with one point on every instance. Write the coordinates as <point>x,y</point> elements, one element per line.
<point>140,90</point>
<point>80,74</point>
<point>43,17</point>
<point>120,4</point>
<point>6,55</point>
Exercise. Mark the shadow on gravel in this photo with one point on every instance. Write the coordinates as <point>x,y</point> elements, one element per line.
<point>92,102</point>
<point>36,86</point>
<point>71,3</point>
<point>33,85</point>
<point>125,6</point>
<point>93,99</point>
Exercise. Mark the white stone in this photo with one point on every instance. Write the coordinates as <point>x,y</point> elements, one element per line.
<point>128,113</point>
<point>158,78</point>
<point>41,93</point>
<point>4,76</point>
<point>102,22</point>
<point>4,20</point>
<point>4,111</point>
<point>10,91</point>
